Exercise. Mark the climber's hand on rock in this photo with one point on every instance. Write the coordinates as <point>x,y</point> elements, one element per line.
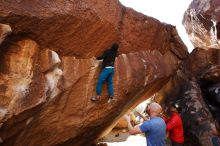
<point>95,63</point>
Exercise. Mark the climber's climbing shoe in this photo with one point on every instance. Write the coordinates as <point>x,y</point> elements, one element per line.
<point>95,98</point>
<point>110,100</point>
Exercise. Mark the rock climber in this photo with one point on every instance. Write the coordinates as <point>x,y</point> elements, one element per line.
<point>107,72</point>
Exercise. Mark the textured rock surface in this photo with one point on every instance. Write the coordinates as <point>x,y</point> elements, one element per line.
<point>202,23</point>
<point>208,60</point>
<point>196,115</point>
<point>212,74</point>
<point>48,73</point>
<point>4,31</point>
<point>195,88</point>
<point>212,98</point>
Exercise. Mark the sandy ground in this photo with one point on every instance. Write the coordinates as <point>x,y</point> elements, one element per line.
<point>122,138</point>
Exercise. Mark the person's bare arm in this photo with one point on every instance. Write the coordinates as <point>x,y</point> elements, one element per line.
<point>132,130</point>
<point>142,116</point>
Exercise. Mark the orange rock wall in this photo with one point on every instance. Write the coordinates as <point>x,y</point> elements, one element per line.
<point>49,73</point>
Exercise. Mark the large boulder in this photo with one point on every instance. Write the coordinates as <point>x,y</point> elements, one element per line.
<point>196,116</point>
<point>48,72</point>
<point>202,23</point>
<point>196,88</point>
<point>202,63</point>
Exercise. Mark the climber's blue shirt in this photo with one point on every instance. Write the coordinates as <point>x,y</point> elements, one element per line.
<point>155,131</point>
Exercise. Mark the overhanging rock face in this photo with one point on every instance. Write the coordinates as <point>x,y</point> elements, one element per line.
<point>202,23</point>
<point>195,87</point>
<point>48,72</point>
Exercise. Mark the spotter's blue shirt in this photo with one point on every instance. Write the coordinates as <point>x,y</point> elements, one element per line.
<point>155,131</point>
